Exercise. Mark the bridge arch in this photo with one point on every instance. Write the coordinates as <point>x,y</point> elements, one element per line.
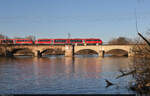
<point>1,51</point>
<point>22,51</point>
<point>51,51</point>
<point>126,49</point>
<point>117,52</point>
<point>86,51</point>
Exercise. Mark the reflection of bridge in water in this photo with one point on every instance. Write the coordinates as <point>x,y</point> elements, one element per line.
<point>68,50</point>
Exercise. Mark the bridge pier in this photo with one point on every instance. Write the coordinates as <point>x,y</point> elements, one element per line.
<point>69,50</point>
<point>101,53</point>
<point>130,54</point>
<point>8,53</point>
<point>37,53</point>
<point>3,53</point>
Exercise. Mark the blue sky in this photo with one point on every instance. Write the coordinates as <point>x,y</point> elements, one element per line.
<point>105,19</point>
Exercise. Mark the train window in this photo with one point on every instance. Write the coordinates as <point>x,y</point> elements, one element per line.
<point>7,41</point>
<point>19,40</point>
<point>4,41</point>
<point>44,40</point>
<point>23,40</point>
<point>60,41</point>
<point>10,41</point>
<point>75,40</point>
<point>92,40</point>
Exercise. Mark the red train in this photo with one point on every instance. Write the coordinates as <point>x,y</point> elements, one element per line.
<point>16,41</point>
<point>52,41</point>
<point>69,41</point>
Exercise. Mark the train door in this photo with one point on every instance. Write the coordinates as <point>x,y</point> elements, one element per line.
<point>52,42</point>
<point>83,41</point>
<point>14,41</point>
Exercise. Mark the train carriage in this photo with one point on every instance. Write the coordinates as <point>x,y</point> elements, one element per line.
<point>44,41</point>
<point>61,41</point>
<point>23,41</point>
<point>76,41</point>
<point>6,41</point>
<point>93,41</point>
<point>16,41</point>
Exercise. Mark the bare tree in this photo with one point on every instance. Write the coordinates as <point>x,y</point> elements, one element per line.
<point>120,40</point>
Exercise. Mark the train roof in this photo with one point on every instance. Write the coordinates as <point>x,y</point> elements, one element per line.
<point>16,39</point>
<point>67,38</point>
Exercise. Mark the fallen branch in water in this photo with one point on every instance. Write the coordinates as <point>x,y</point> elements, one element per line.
<point>125,74</point>
<point>108,83</point>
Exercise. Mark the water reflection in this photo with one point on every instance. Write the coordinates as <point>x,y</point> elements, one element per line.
<point>58,74</point>
<point>70,65</point>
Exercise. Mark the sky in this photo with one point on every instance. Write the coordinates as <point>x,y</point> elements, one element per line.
<point>104,19</point>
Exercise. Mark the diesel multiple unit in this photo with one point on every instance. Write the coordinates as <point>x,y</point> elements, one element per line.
<point>52,41</point>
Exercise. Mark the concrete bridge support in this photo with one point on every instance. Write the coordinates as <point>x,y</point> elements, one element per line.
<point>37,53</point>
<point>3,53</point>
<point>130,54</point>
<point>101,53</point>
<point>8,53</point>
<point>69,50</point>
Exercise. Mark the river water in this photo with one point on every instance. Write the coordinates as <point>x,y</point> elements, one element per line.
<point>63,75</point>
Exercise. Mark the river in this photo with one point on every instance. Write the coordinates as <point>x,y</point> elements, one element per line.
<point>63,75</point>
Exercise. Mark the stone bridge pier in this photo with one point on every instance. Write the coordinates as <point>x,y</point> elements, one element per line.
<point>37,53</point>
<point>5,51</point>
<point>101,53</point>
<point>69,50</point>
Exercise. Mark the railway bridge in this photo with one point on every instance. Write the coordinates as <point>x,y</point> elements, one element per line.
<point>68,50</point>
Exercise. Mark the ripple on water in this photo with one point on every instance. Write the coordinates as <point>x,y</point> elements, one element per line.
<point>62,75</point>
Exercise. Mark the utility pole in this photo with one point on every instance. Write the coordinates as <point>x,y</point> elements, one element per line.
<point>33,36</point>
<point>69,35</point>
<point>5,35</point>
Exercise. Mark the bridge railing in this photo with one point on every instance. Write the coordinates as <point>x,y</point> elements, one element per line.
<point>107,43</point>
